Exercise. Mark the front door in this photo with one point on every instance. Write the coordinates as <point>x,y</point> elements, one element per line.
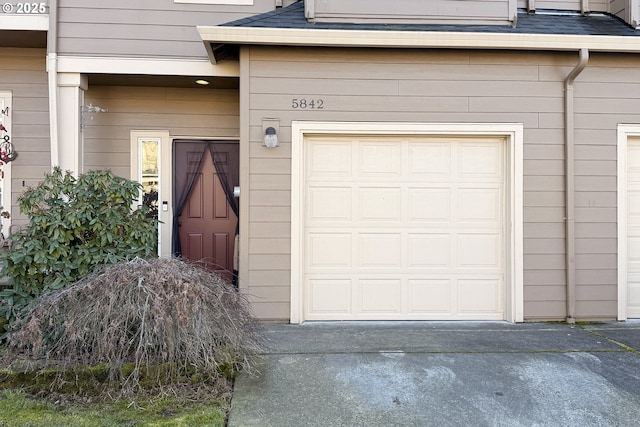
<point>207,226</point>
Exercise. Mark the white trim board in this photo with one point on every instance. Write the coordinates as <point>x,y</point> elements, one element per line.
<point>513,132</point>
<point>162,67</point>
<point>6,101</point>
<point>625,131</point>
<point>25,22</point>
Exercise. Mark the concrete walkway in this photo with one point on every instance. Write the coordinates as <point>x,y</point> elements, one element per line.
<point>444,374</point>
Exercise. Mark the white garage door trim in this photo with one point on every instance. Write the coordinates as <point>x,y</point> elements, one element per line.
<point>625,132</point>
<point>512,132</point>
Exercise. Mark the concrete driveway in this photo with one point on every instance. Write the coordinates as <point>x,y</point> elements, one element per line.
<point>443,374</point>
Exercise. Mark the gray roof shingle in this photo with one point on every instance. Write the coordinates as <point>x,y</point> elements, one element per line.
<point>595,24</point>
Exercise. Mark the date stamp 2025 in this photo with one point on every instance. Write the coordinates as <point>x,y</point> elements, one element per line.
<point>24,8</point>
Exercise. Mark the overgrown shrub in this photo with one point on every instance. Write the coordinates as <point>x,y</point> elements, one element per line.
<point>156,322</point>
<point>75,224</point>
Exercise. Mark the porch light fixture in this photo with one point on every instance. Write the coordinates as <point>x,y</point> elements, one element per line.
<point>270,137</point>
<point>202,82</point>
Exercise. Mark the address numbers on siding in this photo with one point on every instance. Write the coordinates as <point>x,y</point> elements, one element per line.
<point>307,104</point>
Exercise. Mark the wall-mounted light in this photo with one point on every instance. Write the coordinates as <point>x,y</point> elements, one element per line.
<point>270,137</point>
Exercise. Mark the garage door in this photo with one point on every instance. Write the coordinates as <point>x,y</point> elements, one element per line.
<point>403,228</point>
<point>633,228</point>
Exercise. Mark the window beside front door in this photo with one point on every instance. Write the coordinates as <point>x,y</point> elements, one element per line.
<point>151,167</point>
<point>148,172</point>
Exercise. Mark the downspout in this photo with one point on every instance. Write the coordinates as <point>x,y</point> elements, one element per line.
<point>52,70</point>
<point>584,7</point>
<point>569,129</point>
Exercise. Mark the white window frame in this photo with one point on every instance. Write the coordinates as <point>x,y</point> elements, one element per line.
<point>6,99</point>
<point>625,132</point>
<point>514,134</point>
<point>231,2</point>
<point>165,185</point>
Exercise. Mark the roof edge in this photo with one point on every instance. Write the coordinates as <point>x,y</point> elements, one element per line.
<point>414,39</point>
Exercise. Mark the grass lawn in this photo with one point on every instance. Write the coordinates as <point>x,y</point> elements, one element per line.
<point>182,406</point>
<point>19,410</point>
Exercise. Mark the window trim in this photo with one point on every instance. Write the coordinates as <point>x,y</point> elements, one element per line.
<point>625,132</point>
<point>6,199</point>
<point>164,185</point>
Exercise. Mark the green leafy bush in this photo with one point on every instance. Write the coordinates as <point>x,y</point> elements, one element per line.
<point>75,225</point>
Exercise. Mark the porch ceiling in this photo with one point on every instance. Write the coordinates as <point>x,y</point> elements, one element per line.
<point>162,81</point>
<point>23,39</point>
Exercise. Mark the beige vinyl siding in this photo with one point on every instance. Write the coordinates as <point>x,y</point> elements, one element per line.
<point>422,86</point>
<point>594,5</point>
<point>496,11</point>
<point>197,113</point>
<point>457,86</point>
<point>22,71</point>
<point>607,94</point>
<point>142,28</point>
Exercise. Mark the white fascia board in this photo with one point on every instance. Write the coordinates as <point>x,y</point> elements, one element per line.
<point>416,39</point>
<point>161,67</point>
<point>24,22</point>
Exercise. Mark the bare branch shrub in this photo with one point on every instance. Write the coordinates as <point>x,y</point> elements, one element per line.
<point>155,322</point>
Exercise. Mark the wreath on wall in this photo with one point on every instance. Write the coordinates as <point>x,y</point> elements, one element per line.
<point>7,152</point>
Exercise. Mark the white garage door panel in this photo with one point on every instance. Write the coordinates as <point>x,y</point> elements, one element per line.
<point>329,204</point>
<point>479,251</point>
<point>331,296</point>
<point>380,296</point>
<point>479,296</point>
<point>431,296</point>
<point>332,161</point>
<point>404,228</point>
<point>329,250</point>
<point>429,205</point>
<point>379,251</point>
<point>379,203</point>
<point>478,204</point>
<point>378,159</point>
<point>429,250</point>
<point>424,159</point>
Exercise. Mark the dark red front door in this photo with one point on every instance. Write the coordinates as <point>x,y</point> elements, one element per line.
<point>208,224</point>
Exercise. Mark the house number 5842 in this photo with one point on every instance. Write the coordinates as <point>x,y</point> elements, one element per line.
<point>307,104</point>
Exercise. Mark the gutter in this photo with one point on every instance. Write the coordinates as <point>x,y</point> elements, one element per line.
<point>569,129</point>
<point>52,74</point>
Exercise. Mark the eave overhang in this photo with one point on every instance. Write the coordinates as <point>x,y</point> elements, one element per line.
<point>218,38</point>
